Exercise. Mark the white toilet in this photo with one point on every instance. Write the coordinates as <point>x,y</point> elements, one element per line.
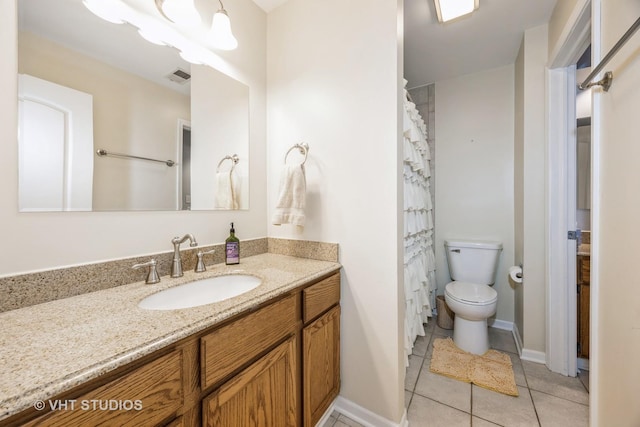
<point>472,266</point>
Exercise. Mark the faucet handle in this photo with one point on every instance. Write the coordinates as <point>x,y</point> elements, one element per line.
<point>200,267</point>
<point>152,277</point>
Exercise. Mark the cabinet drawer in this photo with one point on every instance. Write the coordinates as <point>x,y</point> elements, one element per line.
<point>316,299</point>
<point>146,396</point>
<point>226,349</point>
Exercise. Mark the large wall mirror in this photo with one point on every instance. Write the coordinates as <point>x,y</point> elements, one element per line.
<point>111,122</point>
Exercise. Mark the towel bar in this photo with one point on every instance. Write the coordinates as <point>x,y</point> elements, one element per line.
<point>102,152</point>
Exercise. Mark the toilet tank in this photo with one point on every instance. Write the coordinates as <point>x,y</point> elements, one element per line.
<point>473,261</point>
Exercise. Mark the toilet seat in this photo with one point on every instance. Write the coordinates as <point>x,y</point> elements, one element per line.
<point>471,293</point>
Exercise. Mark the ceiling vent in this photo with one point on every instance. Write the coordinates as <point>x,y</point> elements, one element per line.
<point>179,76</point>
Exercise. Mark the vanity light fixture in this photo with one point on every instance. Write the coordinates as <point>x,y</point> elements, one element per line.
<point>184,13</point>
<point>452,9</point>
<point>181,12</point>
<point>221,34</point>
<point>159,31</point>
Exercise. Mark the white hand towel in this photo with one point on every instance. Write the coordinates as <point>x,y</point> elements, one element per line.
<point>224,191</point>
<point>291,198</point>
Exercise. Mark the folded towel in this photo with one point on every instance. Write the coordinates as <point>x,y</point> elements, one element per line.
<point>291,198</point>
<point>225,197</point>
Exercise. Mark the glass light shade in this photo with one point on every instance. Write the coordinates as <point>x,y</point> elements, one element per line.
<point>182,12</point>
<point>221,34</point>
<point>106,10</point>
<point>452,9</point>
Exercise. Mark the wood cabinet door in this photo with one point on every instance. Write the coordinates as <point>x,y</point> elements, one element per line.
<point>583,321</point>
<point>583,300</point>
<point>263,395</point>
<point>321,365</point>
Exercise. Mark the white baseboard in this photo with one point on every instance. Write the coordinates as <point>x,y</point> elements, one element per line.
<point>583,364</point>
<point>364,416</point>
<point>534,356</point>
<point>500,324</point>
<point>326,415</point>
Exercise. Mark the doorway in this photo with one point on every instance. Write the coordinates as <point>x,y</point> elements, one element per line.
<point>183,170</point>
<point>583,215</point>
<point>562,299</point>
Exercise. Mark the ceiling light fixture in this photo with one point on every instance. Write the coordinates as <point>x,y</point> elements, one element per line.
<point>452,9</point>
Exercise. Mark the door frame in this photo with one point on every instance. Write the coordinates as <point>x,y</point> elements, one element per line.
<point>561,354</point>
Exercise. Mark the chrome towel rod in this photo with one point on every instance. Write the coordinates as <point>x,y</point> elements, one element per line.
<point>102,152</point>
<point>608,76</point>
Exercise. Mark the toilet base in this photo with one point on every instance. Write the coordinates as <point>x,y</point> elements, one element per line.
<point>471,336</point>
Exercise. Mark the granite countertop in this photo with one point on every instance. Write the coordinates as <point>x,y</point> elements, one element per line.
<point>52,347</point>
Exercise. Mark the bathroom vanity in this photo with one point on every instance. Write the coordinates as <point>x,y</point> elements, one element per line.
<point>270,356</point>
<point>584,296</point>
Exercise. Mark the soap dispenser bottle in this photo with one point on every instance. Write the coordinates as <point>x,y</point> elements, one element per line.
<point>232,248</point>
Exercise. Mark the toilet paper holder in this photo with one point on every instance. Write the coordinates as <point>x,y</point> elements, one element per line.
<point>516,273</point>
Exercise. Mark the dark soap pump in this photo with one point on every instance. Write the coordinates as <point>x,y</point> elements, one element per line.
<point>232,248</point>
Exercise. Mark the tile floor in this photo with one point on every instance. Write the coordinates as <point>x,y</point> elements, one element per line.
<point>546,399</point>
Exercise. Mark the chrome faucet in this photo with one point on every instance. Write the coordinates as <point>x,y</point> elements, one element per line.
<point>176,266</point>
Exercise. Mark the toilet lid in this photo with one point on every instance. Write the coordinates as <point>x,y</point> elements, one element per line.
<point>471,293</point>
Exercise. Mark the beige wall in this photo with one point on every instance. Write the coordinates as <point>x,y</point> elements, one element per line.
<point>474,190</point>
<point>518,186</point>
<point>615,234</point>
<point>49,240</point>
<point>220,129</point>
<point>335,75</point>
<point>530,190</point>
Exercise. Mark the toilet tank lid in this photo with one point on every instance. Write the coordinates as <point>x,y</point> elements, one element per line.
<point>479,244</point>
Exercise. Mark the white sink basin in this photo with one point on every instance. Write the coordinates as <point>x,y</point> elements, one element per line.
<point>201,292</point>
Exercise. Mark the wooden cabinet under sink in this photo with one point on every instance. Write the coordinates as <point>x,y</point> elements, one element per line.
<point>584,295</point>
<point>275,365</point>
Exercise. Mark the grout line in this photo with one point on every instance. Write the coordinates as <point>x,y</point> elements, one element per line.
<point>533,402</point>
<point>444,404</point>
<point>561,398</point>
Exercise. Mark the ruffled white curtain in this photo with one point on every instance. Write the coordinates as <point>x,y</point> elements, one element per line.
<point>419,259</point>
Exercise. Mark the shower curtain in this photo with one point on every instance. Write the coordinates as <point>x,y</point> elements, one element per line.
<point>419,258</point>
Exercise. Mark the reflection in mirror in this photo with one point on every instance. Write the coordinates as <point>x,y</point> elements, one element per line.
<point>87,85</point>
<point>583,164</point>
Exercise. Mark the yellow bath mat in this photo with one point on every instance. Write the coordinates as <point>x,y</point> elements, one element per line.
<point>492,370</point>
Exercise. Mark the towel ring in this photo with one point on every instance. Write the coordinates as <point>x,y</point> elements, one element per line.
<point>303,148</point>
<point>235,159</point>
